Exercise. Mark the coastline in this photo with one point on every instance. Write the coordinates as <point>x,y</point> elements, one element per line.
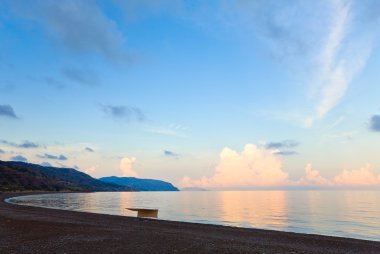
<point>25,229</point>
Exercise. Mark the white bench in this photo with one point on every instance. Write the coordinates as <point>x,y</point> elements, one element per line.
<point>144,212</point>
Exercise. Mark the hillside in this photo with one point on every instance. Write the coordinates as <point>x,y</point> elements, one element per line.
<point>20,176</point>
<point>140,184</point>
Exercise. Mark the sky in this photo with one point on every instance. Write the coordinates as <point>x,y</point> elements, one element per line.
<point>212,94</point>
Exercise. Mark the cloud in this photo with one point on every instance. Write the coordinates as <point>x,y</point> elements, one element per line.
<point>283,144</point>
<point>356,178</point>
<point>135,9</point>
<point>79,25</point>
<point>52,157</point>
<point>286,153</point>
<point>344,136</point>
<point>54,82</point>
<point>337,122</point>
<point>313,178</point>
<point>326,43</point>
<point>7,111</point>
<point>334,80</point>
<point>2,151</point>
<point>28,144</point>
<point>252,167</point>
<point>261,167</point>
<point>84,77</point>
<point>90,170</point>
<point>286,144</point>
<point>24,144</point>
<point>375,123</point>
<point>19,158</point>
<point>171,154</point>
<point>127,113</point>
<point>126,165</point>
<point>359,177</point>
<point>89,149</point>
<point>171,130</point>
<point>46,164</point>
<point>50,81</point>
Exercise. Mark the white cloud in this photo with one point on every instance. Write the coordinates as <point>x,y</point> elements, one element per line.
<point>359,177</point>
<point>324,43</point>
<point>342,58</point>
<point>364,176</point>
<point>343,136</point>
<point>80,25</point>
<point>126,165</point>
<point>261,167</point>
<point>254,166</point>
<point>166,131</point>
<point>313,178</point>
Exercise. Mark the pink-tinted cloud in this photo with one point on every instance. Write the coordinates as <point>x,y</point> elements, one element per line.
<point>90,170</point>
<point>313,178</point>
<point>262,167</point>
<point>126,165</point>
<point>254,166</point>
<point>359,177</point>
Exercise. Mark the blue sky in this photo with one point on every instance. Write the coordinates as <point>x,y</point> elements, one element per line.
<point>217,94</point>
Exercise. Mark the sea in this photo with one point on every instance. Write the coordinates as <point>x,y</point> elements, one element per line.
<point>354,214</point>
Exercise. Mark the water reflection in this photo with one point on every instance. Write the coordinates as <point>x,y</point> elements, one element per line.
<point>341,213</point>
<point>264,209</point>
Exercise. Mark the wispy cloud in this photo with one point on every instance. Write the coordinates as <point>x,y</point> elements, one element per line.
<point>79,25</point>
<point>24,144</point>
<point>375,123</point>
<point>7,111</point>
<point>344,136</point>
<point>337,122</point>
<point>286,153</point>
<point>171,154</point>
<point>133,8</point>
<point>84,77</point>
<point>334,75</point>
<point>89,149</point>
<point>126,113</point>
<point>52,157</point>
<point>325,43</point>
<point>2,151</point>
<point>282,144</point>
<point>282,148</point>
<point>19,158</point>
<point>48,80</point>
<point>166,131</point>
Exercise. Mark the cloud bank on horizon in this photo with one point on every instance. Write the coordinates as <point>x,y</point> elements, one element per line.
<point>257,167</point>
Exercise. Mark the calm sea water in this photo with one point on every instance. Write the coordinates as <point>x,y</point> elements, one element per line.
<point>340,213</point>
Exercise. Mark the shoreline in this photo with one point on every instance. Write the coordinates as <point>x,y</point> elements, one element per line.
<point>35,230</point>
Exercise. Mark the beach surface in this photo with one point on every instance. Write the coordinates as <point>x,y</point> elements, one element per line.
<point>39,230</point>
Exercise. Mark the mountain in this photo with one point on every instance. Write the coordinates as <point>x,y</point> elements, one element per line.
<point>20,176</point>
<point>140,184</point>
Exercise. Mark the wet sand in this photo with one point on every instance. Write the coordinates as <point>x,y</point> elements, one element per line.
<point>39,230</point>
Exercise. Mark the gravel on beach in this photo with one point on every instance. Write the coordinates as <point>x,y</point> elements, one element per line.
<point>26,229</point>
